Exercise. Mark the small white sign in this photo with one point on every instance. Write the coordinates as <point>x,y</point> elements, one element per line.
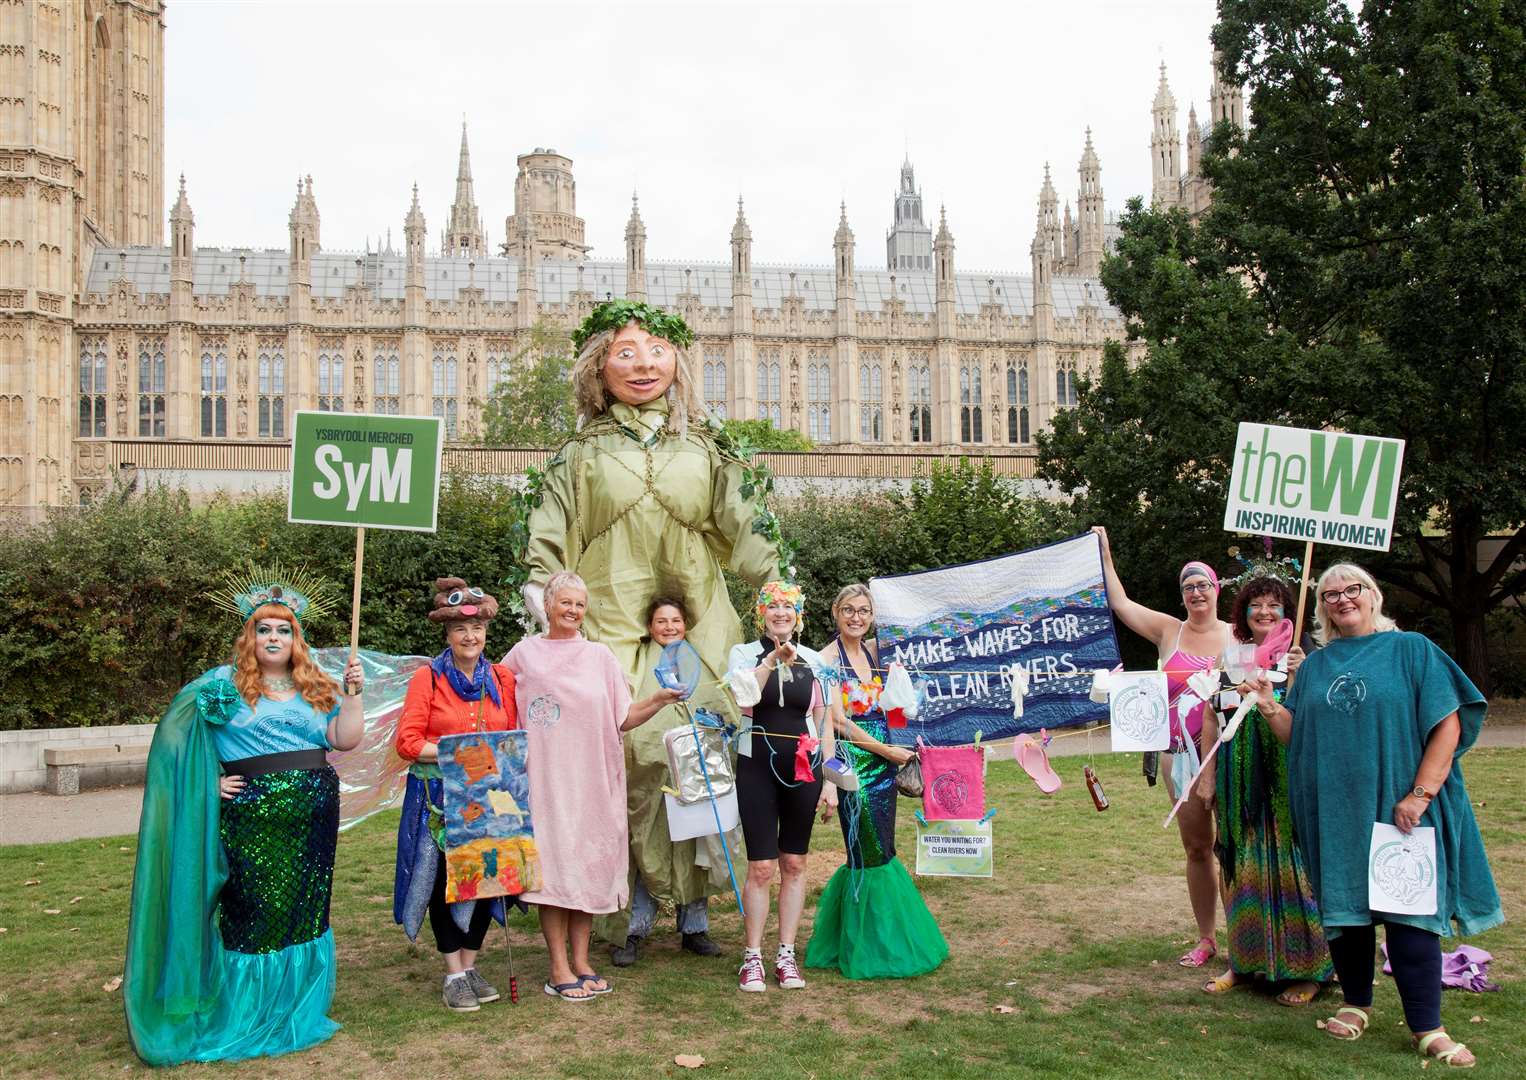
<point>1139,710</point>
<point>1401,871</point>
<point>688,821</point>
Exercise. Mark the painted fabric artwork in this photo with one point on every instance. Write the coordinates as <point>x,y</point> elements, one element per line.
<point>489,839</point>
<point>967,634</point>
<point>954,783</point>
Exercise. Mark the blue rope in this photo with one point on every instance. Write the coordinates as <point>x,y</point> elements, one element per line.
<point>725,848</point>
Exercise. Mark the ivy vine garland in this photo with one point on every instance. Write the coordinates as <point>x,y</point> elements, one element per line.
<point>613,314</point>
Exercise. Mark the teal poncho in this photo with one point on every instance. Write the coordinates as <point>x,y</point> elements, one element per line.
<point>1363,709</point>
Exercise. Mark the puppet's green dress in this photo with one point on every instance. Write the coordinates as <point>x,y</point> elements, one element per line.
<point>637,511</point>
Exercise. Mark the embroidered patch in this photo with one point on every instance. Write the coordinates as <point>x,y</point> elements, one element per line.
<point>544,712</point>
<point>1347,692</point>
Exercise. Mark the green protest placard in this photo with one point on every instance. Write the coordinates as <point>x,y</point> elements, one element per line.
<point>364,469</point>
<point>954,848</point>
<point>1325,487</point>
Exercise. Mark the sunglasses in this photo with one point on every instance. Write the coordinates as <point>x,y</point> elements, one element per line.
<point>460,596</point>
<point>1350,592</point>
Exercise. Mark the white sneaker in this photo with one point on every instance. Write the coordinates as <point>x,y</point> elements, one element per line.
<point>750,977</point>
<point>787,972</point>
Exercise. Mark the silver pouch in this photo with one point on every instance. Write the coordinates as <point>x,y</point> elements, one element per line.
<point>684,763</point>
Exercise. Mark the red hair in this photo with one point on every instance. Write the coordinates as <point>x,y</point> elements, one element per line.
<point>316,688</point>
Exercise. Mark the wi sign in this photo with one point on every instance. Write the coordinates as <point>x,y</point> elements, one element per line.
<point>1326,487</point>
<point>365,469</point>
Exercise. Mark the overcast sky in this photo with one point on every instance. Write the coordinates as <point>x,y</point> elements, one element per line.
<point>793,107</point>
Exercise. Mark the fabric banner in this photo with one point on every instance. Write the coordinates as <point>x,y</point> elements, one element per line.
<point>489,840</point>
<point>964,629</point>
<point>955,849</point>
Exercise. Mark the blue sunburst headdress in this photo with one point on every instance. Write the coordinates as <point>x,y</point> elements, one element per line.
<point>248,587</point>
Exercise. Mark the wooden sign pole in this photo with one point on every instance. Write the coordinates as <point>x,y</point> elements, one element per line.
<point>360,557</point>
<point>1303,591</point>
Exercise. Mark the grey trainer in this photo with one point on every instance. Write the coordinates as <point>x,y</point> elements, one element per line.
<point>459,996</point>
<point>481,987</point>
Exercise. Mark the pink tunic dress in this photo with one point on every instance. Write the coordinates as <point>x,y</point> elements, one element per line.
<point>572,698</point>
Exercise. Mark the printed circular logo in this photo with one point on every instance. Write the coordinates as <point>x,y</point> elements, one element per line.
<point>1347,692</point>
<point>951,792</point>
<point>1403,872</point>
<point>544,712</point>
<point>1138,713</point>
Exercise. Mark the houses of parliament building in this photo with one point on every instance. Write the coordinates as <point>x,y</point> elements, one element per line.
<point>120,341</point>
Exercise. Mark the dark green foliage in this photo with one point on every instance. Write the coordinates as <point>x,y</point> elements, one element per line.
<point>533,404</point>
<point>105,613</point>
<point>614,314</point>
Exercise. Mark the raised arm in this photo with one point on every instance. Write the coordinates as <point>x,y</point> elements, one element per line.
<point>1154,626</point>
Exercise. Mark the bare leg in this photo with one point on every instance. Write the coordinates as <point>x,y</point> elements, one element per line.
<point>1195,822</point>
<point>791,896</point>
<point>579,935</point>
<point>554,928</point>
<point>760,879</point>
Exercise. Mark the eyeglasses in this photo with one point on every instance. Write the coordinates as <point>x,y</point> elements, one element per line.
<point>1197,587</point>
<point>860,612</point>
<point>1350,592</point>
<point>458,597</point>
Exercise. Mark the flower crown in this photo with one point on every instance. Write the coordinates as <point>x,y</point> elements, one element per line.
<point>613,314</point>
<point>247,588</point>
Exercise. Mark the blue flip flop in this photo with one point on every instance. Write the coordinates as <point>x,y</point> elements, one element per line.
<point>583,980</point>
<point>559,990</point>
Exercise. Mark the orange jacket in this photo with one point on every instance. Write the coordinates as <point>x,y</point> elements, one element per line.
<point>432,708</point>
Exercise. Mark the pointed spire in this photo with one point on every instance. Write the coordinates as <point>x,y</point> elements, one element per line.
<point>182,207</point>
<point>1047,195</point>
<point>635,226</point>
<point>1089,153</point>
<point>1163,98</point>
<point>844,234</point>
<point>944,236</point>
<point>740,230</point>
<point>463,229</point>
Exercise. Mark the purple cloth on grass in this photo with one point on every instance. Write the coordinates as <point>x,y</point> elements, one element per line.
<point>1465,969</point>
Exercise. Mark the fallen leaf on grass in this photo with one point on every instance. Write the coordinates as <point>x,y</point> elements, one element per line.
<point>689,1061</point>
<point>124,849</point>
<point>1320,1024</point>
<point>5,930</point>
<point>32,881</point>
<point>52,911</point>
<point>112,984</point>
<point>1003,1009</point>
<point>1475,1019</point>
<point>1202,1031</point>
<point>73,929</point>
<point>76,900</point>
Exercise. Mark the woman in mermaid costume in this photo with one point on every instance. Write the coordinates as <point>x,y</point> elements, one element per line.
<point>229,951</point>
<point>871,922</point>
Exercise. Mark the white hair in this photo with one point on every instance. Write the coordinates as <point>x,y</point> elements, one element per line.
<point>1324,629</point>
<point>562,579</point>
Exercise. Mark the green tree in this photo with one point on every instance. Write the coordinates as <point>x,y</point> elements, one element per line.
<point>1358,269</point>
<point>762,435</point>
<point>532,405</point>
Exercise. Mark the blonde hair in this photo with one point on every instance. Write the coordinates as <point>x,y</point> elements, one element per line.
<point>315,688</point>
<point>1325,630</point>
<point>592,399</point>
<point>562,579</point>
<point>848,592</point>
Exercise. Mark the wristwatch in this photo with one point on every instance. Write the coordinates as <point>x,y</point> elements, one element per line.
<point>1421,793</point>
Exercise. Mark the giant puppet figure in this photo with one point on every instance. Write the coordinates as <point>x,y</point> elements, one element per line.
<point>651,498</point>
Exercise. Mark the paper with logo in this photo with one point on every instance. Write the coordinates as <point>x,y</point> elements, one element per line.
<point>1139,711</point>
<point>963,631</point>
<point>1401,871</point>
<point>953,782</point>
<point>489,839</point>
<point>955,849</point>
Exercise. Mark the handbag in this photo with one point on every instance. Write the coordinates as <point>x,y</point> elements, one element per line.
<point>908,779</point>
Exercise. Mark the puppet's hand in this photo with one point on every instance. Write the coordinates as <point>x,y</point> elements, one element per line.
<point>535,602</point>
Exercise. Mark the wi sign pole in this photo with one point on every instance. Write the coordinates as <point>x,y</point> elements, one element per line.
<point>365,470</point>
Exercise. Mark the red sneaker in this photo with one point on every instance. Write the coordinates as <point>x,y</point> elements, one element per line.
<point>787,972</point>
<point>750,977</point>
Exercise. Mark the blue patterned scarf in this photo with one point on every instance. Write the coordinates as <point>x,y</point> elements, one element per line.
<point>466,689</point>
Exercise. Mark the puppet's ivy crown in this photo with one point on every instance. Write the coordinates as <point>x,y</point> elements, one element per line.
<point>614,314</point>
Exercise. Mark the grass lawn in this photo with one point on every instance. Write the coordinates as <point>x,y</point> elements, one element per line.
<point>1063,964</point>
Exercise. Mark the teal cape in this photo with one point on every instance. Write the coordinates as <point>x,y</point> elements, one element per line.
<point>186,997</point>
<point>1363,708</point>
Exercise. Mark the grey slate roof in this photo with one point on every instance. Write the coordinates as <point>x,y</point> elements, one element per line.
<point>215,269</point>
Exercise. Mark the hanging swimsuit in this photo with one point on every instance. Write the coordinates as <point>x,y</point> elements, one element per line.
<point>1178,667</point>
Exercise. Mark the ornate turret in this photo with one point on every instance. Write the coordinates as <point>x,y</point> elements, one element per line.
<point>463,234</point>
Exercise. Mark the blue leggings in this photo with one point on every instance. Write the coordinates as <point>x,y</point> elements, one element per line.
<point>1414,955</point>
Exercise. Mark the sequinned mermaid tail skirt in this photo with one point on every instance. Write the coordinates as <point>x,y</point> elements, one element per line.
<point>278,951</point>
<point>871,922</point>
